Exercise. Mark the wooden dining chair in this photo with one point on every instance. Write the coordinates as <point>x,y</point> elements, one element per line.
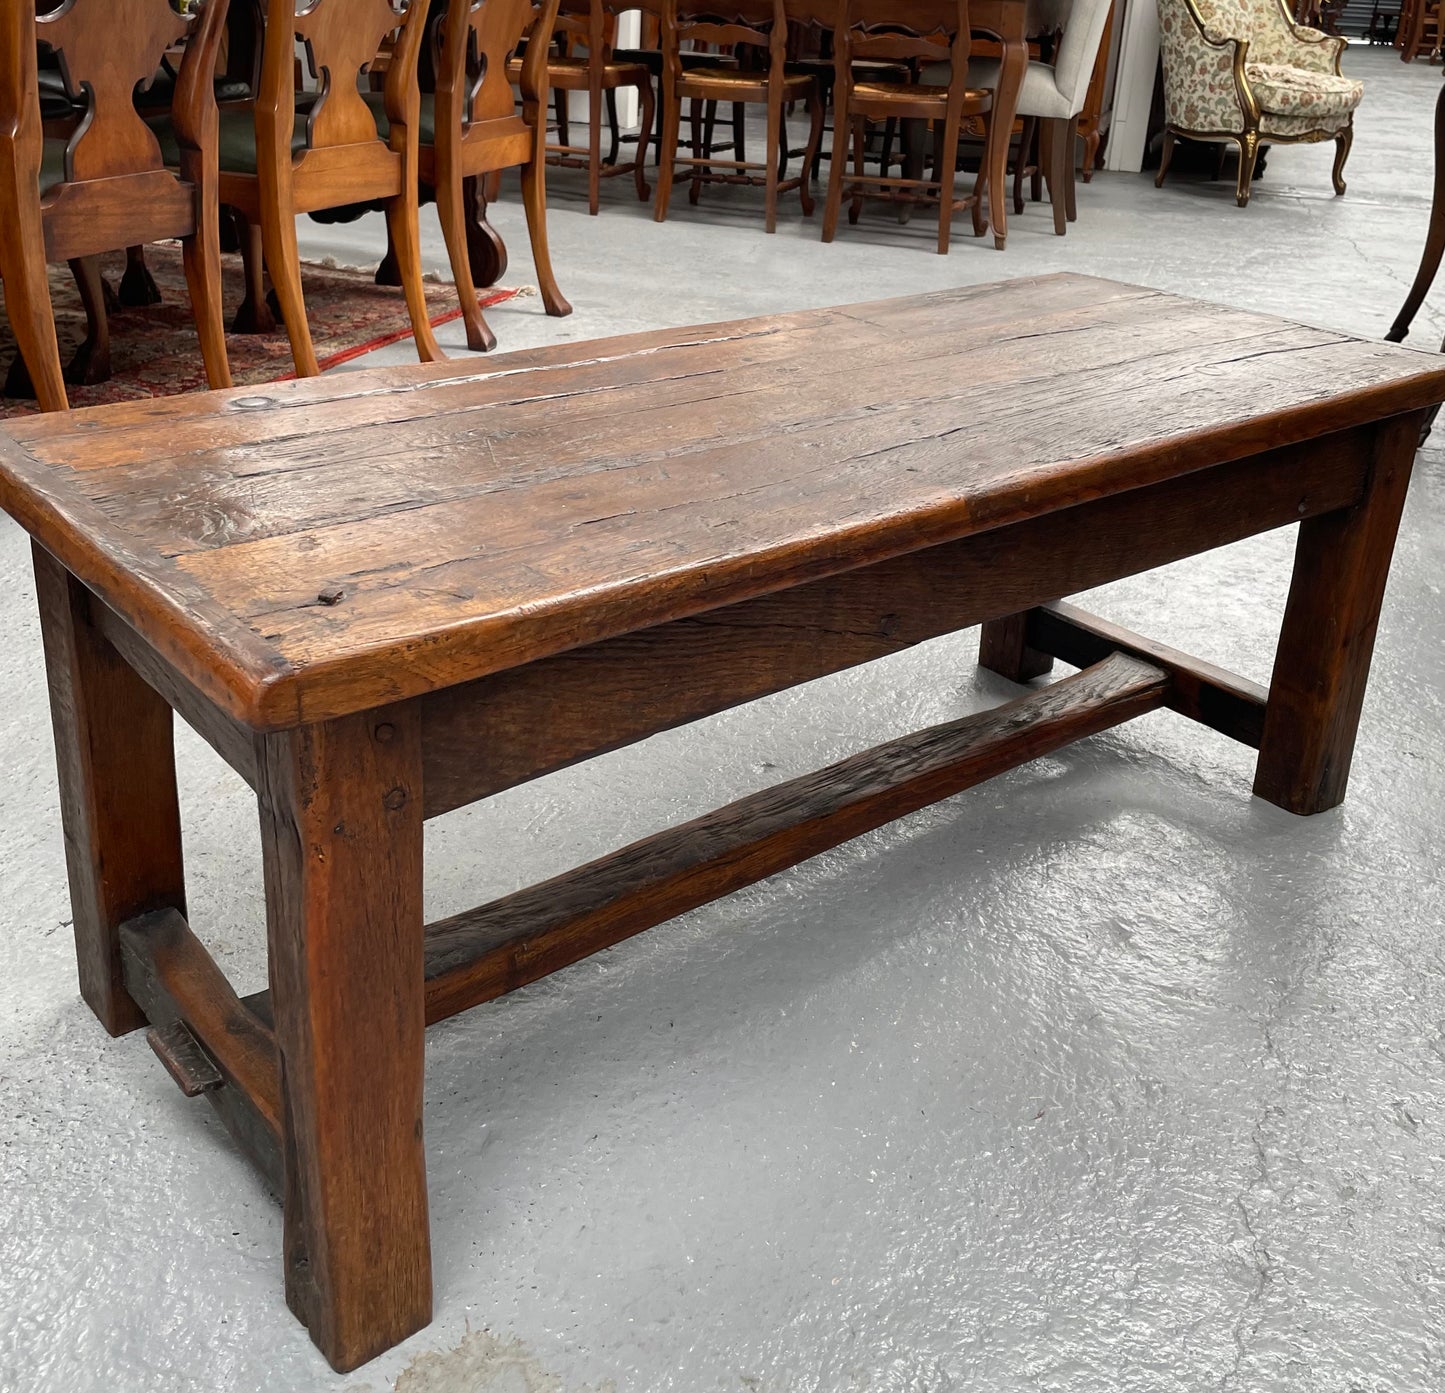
<point>590,24</point>
<point>1054,95</point>
<point>290,152</point>
<point>923,32</point>
<point>469,128</point>
<point>104,185</point>
<point>761,24</point>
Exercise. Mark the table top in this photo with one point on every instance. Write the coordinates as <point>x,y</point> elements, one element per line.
<point>314,548</point>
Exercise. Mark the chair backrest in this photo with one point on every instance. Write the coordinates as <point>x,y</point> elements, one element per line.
<point>341,39</point>
<point>106,50</point>
<point>478,38</point>
<point>928,31</point>
<point>1074,65</point>
<point>1265,24</point>
<point>724,24</point>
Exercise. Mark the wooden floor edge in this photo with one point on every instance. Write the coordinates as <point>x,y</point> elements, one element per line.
<point>487,952</point>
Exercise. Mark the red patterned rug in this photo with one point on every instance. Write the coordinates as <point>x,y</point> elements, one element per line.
<point>154,352</point>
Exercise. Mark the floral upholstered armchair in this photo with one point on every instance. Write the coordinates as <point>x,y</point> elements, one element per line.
<point>1244,71</point>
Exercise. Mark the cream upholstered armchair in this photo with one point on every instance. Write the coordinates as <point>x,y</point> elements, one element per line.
<point>1243,70</point>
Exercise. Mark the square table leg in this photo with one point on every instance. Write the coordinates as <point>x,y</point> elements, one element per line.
<point>115,757</point>
<point>341,819</point>
<point>1342,561</point>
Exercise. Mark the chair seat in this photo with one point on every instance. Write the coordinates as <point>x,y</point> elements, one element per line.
<point>1285,91</point>
<point>742,86</point>
<point>911,98</point>
<point>651,59</point>
<point>235,137</point>
<point>1039,94</point>
<point>571,74</point>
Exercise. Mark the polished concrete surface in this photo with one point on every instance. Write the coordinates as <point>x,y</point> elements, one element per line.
<point>1103,1076</point>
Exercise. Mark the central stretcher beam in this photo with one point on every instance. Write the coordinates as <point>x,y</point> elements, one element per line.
<point>215,1043</point>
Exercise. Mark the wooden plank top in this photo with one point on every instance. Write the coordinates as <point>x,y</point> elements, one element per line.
<point>309,549</point>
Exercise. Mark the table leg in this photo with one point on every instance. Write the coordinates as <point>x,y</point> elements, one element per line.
<point>1341,564</point>
<point>118,805</point>
<point>1014,64</point>
<point>341,820</point>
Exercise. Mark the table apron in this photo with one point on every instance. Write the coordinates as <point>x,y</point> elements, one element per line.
<point>481,737</point>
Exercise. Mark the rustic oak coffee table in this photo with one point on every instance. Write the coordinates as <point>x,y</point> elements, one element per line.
<point>386,595</point>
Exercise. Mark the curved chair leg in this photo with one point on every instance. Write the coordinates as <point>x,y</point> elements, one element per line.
<point>283,261</point>
<point>253,315</point>
<point>1058,177</point>
<point>1343,141</point>
<point>860,143</point>
<point>594,150</point>
<point>485,247</point>
<point>402,227</point>
<point>666,157</point>
<point>91,364</point>
<point>388,271</point>
<point>201,254</point>
<point>777,149</point>
<point>644,134</point>
<point>701,140</point>
<point>614,127</point>
<point>451,214</point>
<point>27,301</point>
<point>1091,156</point>
<point>534,200</point>
<point>1248,155</point>
<point>945,171</point>
<point>1165,156</point>
<point>137,286</point>
<point>842,126</point>
<point>1070,131</point>
<point>1026,144</point>
<point>810,155</point>
<point>980,215</point>
<point>1434,240</point>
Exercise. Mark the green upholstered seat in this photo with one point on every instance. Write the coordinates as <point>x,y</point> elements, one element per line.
<point>426,123</point>
<point>52,164</point>
<point>236,137</point>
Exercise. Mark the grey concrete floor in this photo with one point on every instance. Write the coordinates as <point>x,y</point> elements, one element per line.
<point>1101,1077</point>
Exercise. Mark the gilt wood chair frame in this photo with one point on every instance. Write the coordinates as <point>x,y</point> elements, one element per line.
<point>1249,138</point>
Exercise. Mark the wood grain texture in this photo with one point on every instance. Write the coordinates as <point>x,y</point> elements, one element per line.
<point>477,524</point>
<point>175,980</point>
<point>118,802</point>
<point>1342,562</point>
<point>484,736</point>
<point>342,844</point>
<point>480,955</point>
<point>1232,705</point>
<point>169,970</point>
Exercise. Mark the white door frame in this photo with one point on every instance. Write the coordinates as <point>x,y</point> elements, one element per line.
<point>1134,85</point>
